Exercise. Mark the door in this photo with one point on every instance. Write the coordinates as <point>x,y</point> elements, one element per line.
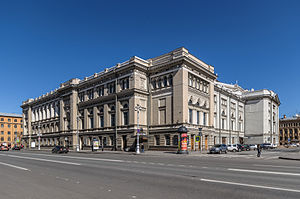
<point>124,143</point>
<point>193,142</point>
<point>206,142</point>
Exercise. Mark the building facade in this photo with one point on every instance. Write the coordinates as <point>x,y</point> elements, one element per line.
<point>171,90</point>
<point>289,130</point>
<point>11,128</point>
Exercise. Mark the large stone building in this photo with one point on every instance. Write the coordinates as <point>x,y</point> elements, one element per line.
<point>11,128</point>
<point>173,89</point>
<point>289,128</point>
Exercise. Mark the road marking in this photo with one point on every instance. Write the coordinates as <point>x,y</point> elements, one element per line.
<point>250,185</point>
<point>75,157</point>
<point>45,160</point>
<point>268,165</point>
<point>14,166</point>
<point>265,172</point>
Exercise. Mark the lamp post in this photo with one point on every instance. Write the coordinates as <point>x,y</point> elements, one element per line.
<point>39,136</point>
<point>77,135</point>
<point>138,108</point>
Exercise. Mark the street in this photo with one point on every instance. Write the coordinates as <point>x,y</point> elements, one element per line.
<point>40,174</point>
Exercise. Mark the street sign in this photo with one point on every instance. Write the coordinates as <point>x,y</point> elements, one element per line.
<point>198,138</point>
<point>200,132</point>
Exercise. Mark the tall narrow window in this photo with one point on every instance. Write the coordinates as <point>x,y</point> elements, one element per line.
<point>190,116</point>
<point>198,117</point>
<point>204,119</point>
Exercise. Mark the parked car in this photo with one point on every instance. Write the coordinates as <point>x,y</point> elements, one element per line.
<point>16,147</point>
<point>253,147</point>
<point>60,149</point>
<point>233,147</point>
<point>218,148</point>
<point>4,148</point>
<point>246,147</point>
<point>240,147</point>
<point>266,146</point>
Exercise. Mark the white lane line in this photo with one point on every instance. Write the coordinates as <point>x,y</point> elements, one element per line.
<point>250,185</point>
<point>14,166</point>
<point>265,172</point>
<point>269,165</point>
<point>39,159</point>
<point>75,157</point>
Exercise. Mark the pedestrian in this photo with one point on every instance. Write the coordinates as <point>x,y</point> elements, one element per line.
<point>142,147</point>
<point>258,150</point>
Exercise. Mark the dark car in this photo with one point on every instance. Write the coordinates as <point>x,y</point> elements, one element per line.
<point>218,148</point>
<point>246,147</point>
<point>240,147</point>
<point>16,147</point>
<point>60,149</point>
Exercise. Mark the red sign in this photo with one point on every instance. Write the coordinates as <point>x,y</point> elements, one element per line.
<point>184,142</point>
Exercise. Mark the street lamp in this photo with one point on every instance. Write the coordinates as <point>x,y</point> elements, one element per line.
<point>39,136</point>
<point>138,108</point>
<point>77,135</point>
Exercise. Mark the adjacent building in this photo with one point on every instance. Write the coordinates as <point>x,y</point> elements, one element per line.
<point>11,128</point>
<point>171,90</point>
<point>289,130</point>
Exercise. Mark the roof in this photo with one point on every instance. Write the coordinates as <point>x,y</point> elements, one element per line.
<point>10,115</point>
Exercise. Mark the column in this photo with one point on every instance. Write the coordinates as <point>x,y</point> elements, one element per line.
<point>73,117</point>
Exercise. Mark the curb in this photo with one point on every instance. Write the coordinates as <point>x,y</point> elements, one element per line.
<point>286,158</point>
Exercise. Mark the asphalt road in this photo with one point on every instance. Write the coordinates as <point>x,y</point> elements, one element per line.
<point>42,175</point>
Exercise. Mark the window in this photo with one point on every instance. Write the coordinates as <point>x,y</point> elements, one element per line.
<point>2,138</point>
<point>21,121</point>
<point>2,132</point>
<point>15,120</point>
<point>175,140</point>
<point>8,132</point>
<point>112,119</point>
<point>125,84</point>
<point>8,125</point>
<point>8,139</point>
<point>198,117</point>
<point>112,88</point>
<point>125,117</point>
<point>2,125</point>
<point>104,141</point>
<point>204,119</point>
<point>111,140</point>
<point>101,121</point>
<point>90,94</point>
<point>190,116</point>
<point>165,81</point>
<point>15,126</point>
<point>170,80</point>
<point>157,140</point>
<point>15,133</point>
<point>91,122</point>
<point>223,123</point>
<point>167,138</point>
<point>9,120</point>
<point>81,97</point>
<point>2,119</point>
<point>100,91</point>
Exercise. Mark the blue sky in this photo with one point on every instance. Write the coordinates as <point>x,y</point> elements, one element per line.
<point>44,43</point>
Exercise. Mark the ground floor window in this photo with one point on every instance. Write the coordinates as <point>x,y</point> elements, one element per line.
<point>168,141</point>
<point>175,140</point>
<point>157,140</point>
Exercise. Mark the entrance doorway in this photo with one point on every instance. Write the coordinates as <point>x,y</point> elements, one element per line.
<point>206,142</point>
<point>124,142</point>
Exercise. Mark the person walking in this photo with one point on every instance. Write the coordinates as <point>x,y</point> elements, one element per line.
<point>258,150</point>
